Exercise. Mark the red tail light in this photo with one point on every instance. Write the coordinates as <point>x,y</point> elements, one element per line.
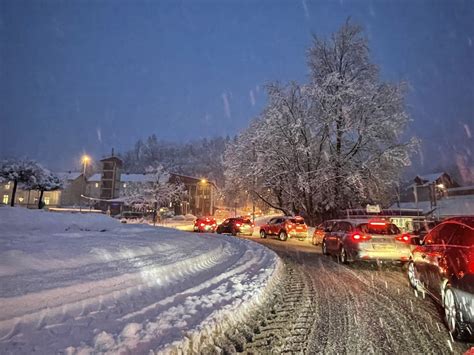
<point>470,261</point>
<point>359,237</point>
<point>237,224</point>
<point>405,238</point>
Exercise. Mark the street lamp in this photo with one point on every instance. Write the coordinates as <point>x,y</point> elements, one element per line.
<point>85,160</point>
<point>203,182</point>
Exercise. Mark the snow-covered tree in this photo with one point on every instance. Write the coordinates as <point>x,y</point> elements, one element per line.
<point>331,144</point>
<point>362,120</point>
<point>201,158</point>
<point>20,172</point>
<point>44,180</point>
<point>154,191</point>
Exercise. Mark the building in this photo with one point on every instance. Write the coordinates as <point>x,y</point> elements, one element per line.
<point>437,195</point>
<point>107,189</point>
<point>201,196</point>
<point>69,195</point>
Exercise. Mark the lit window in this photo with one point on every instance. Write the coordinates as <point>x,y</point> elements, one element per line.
<point>46,200</point>
<point>7,186</point>
<point>96,184</point>
<point>124,185</point>
<point>5,199</point>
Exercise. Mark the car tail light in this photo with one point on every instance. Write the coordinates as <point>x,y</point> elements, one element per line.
<point>470,261</point>
<point>359,237</point>
<point>405,238</point>
<point>237,224</point>
<point>202,224</point>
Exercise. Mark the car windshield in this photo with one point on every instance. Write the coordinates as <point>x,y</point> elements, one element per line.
<point>382,229</point>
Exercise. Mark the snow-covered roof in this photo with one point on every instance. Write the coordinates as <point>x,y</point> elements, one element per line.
<point>69,175</point>
<point>430,178</point>
<point>95,178</point>
<point>445,207</point>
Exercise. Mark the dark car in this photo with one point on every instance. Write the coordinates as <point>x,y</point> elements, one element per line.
<point>284,227</point>
<point>205,224</point>
<point>235,226</point>
<point>366,240</point>
<point>321,230</point>
<point>444,268</point>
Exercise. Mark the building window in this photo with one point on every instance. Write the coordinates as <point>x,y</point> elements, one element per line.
<point>46,200</point>
<point>96,184</point>
<point>5,199</point>
<point>7,186</point>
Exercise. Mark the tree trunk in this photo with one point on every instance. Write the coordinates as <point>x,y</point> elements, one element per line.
<point>40,200</point>
<point>15,184</point>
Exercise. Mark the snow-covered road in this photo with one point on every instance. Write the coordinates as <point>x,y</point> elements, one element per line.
<point>87,283</point>
<point>326,307</point>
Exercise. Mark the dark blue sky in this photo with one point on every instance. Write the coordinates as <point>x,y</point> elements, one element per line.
<point>86,76</point>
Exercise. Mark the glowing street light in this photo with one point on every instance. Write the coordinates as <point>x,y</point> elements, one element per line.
<point>85,160</point>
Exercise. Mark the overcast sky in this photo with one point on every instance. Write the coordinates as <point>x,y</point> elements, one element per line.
<point>86,76</point>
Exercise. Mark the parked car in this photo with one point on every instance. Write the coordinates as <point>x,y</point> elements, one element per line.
<point>205,224</point>
<point>443,267</point>
<point>235,226</point>
<point>321,230</point>
<point>284,227</point>
<point>369,240</point>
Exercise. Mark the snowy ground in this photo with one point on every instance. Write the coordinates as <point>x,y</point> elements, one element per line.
<point>86,283</point>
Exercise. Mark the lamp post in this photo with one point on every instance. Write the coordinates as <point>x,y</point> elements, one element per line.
<point>203,183</point>
<point>85,160</point>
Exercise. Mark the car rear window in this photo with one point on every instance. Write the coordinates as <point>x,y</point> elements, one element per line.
<point>297,220</point>
<point>244,220</point>
<point>385,229</point>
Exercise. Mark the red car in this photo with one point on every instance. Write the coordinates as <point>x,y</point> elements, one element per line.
<point>236,226</point>
<point>205,224</point>
<point>284,227</point>
<point>443,266</point>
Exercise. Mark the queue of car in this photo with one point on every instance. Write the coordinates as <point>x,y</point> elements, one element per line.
<point>235,226</point>
<point>440,263</point>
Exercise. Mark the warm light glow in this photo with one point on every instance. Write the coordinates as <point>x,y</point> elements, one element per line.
<point>204,181</point>
<point>85,159</point>
<point>440,186</point>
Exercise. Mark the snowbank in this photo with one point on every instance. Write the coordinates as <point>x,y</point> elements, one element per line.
<point>86,283</point>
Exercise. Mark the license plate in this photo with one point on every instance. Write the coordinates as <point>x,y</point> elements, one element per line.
<point>384,247</point>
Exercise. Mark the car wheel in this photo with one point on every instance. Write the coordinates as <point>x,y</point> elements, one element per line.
<point>233,232</point>
<point>283,236</point>
<point>324,248</point>
<point>412,277</point>
<point>262,234</point>
<point>343,255</point>
<point>218,231</point>
<point>451,311</point>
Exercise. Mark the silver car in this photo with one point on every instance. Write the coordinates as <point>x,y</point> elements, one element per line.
<point>371,240</point>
